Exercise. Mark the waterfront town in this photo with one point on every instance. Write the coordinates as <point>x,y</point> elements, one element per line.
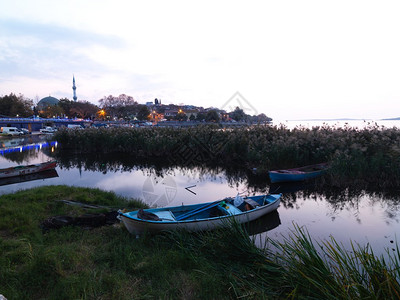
<point>21,112</point>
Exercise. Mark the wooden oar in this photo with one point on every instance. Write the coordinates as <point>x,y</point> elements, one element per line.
<point>197,210</point>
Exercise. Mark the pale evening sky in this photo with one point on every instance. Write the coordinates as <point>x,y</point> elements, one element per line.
<point>288,59</point>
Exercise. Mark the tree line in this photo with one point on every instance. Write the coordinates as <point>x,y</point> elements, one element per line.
<point>117,107</point>
<point>19,106</point>
<point>15,106</point>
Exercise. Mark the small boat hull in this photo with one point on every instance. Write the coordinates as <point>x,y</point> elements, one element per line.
<point>138,226</point>
<point>297,174</point>
<point>25,170</point>
<point>30,177</point>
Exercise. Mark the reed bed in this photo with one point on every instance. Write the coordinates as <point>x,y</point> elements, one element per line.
<point>369,156</point>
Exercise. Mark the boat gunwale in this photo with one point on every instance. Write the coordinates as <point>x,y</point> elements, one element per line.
<point>288,173</point>
<point>31,169</point>
<point>323,167</point>
<point>277,199</point>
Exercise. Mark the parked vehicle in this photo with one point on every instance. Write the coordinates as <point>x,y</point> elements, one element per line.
<point>24,130</point>
<point>10,131</point>
<point>74,126</point>
<point>99,125</point>
<point>48,129</point>
<point>298,174</point>
<point>198,217</point>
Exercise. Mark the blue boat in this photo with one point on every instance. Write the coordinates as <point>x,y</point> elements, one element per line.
<point>200,217</point>
<point>298,174</point>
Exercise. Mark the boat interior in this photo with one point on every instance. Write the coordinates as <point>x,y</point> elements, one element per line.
<point>215,209</point>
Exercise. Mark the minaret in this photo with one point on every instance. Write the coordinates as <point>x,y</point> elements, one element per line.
<point>74,88</point>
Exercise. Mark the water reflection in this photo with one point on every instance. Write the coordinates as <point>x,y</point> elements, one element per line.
<point>239,180</point>
<point>350,199</point>
<point>359,214</point>
<point>20,150</point>
<point>265,223</point>
<point>30,177</point>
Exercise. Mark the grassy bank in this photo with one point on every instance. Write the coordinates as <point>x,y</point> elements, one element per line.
<point>368,156</point>
<point>109,263</point>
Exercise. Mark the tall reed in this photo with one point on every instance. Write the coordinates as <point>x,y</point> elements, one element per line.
<point>328,271</point>
<point>365,156</point>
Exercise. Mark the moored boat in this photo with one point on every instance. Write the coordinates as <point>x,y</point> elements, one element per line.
<point>199,217</point>
<point>29,169</point>
<point>298,174</point>
<point>29,177</point>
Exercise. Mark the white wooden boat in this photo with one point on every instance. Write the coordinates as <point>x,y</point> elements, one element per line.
<point>200,217</point>
<point>24,170</point>
<point>29,177</point>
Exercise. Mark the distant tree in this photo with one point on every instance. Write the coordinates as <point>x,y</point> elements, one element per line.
<point>84,109</point>
<point>66,105</point>
<point>35,111</point>
<point>52,111</point>
<point>212,116</point>
<point>79,109</point>
<point>13,105</point>
<point>129,112</point>
<point>121,100</point>
<point>238,114</point>
<point>262,119</point>
<point>192,117</point>
<point>116,106</point>
<point>181,116</point>
<point>143,113</point>
<point>200,116</point>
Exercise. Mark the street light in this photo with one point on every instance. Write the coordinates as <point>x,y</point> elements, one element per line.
<point>102,113</point>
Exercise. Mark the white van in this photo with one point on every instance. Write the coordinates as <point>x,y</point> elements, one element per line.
<point>48,129</point>
<point>10,131</point>
<point>74,126</point>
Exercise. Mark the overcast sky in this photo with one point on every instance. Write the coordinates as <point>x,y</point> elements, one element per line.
<point>287,59</point>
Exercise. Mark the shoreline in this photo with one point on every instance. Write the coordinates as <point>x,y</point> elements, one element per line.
<point>108,262</point>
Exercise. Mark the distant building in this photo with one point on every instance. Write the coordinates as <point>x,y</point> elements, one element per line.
<point>74,88</point>
<point>46,102</point>
<point>171,113</point>
<point>190,112</point>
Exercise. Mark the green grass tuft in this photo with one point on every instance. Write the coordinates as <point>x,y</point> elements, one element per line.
<point>109,263</point>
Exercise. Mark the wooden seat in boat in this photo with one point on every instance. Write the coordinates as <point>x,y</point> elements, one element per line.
<point>251,202</point>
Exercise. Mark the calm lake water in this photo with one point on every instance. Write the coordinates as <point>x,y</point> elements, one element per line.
<point>346,215</point>
<point>338,123</point>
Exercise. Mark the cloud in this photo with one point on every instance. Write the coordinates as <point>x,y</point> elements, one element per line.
<point>42,50</point>
<point>50,33</point>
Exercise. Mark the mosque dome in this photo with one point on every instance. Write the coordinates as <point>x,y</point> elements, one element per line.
<point>47,101</point>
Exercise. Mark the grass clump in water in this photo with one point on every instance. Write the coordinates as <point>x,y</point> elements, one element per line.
<point>328,271</point>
